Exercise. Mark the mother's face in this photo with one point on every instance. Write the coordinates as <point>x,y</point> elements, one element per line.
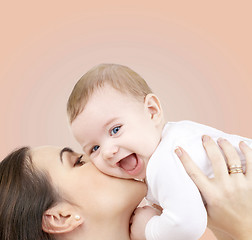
<point>82,184</point>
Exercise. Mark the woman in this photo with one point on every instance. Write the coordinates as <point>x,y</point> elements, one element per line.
<point>66,195</point>
<point>52,193</point>
<point>229,194</point>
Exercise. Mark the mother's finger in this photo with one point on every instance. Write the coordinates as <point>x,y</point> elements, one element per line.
<point>233,159</point>
<point>247,151</point>
<point>199,178</point>
<point>214,153</point>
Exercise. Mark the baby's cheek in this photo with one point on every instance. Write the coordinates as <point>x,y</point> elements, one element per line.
<point>102,167</point>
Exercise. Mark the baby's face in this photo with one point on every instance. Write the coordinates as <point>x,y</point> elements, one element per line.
<point>118,133</point>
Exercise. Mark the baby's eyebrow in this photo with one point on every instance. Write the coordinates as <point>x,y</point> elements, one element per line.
<point>110,121</point>
<point>65,149</point>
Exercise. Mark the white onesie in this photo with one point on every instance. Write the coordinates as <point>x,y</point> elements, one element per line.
<point>184,216</point>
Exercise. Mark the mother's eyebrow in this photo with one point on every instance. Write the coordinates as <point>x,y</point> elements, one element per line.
<point>65,149</point>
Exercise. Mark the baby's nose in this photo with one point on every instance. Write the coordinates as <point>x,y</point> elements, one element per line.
<point>109,152</point>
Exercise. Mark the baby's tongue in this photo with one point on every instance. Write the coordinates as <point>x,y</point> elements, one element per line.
<point>129,163</point>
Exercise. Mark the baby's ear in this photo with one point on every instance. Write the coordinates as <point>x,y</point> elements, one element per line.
<point>153,106</point>
<point>61,219</point>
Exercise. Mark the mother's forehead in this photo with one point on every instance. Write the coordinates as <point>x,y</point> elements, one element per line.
<point>52,152</point>
<point>47,151</point>
<point>46,148</point>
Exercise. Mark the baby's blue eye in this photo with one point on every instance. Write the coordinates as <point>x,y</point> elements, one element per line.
<point>95,148</point>
<point>115,130</point>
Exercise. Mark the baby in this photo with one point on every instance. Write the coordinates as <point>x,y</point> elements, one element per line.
<point>119,123</point>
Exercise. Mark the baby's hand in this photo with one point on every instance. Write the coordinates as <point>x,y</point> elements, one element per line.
<point>139,220</point>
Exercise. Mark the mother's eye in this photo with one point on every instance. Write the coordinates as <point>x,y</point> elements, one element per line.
<point>79,161</point>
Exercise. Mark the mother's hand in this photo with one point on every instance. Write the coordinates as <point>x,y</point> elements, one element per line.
<point>228,195</point>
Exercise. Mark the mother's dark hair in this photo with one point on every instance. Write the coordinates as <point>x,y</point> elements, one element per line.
<point>25,194</point>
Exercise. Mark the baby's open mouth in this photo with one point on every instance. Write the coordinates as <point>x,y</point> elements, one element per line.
<point>128,163</point>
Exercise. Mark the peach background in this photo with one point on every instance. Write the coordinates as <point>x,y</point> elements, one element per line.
<point>196,55</point>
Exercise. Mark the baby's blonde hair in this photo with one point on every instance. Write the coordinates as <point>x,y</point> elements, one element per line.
<point>118,76</point>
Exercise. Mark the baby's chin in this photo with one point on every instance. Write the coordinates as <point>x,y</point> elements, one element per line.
<point>139,180</point>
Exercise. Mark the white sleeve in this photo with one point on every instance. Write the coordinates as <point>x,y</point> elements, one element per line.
<point>184,215</point>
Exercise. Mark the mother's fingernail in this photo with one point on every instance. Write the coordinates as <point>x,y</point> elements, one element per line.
<point>205,138</point>
<point>220,140</point>
<point>178,151</point>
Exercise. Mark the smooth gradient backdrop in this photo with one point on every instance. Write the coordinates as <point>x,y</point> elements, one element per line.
<point>196,55</point>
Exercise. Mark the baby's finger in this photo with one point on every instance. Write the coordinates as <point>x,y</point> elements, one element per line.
<point>247,151</point>
<point>192,169</point>
<point>233,159</point>
<point>214,153</point>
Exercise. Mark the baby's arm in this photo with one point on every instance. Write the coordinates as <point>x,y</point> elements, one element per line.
<point>184,215</point>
